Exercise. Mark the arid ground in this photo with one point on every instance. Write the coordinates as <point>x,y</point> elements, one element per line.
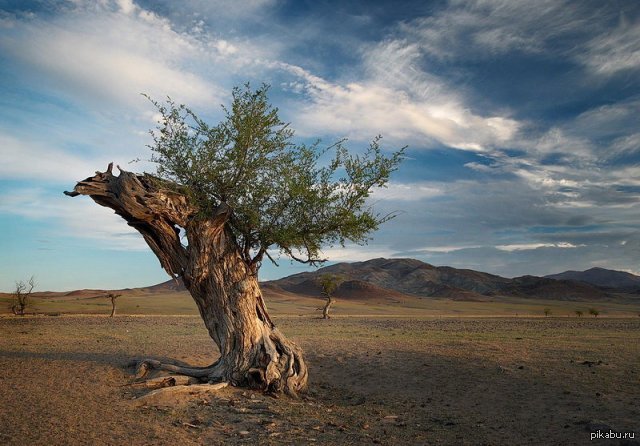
<point>404,376</point>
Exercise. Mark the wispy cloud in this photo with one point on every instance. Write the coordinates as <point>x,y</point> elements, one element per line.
<point>446,249</point>
<point>22,159</point>
<point>109,53</point>
<point>406,192</point>
<point>478,29</point>
<point>618,50</point>
<point>67,217</point>
<point>529,246</point>
<point>420,109</point>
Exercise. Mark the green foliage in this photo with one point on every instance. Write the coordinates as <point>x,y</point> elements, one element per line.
<point>547,311</point>
<point>329,283</point>
<point>279,192</point>
<point>594,312</point>
<point>579,313</point>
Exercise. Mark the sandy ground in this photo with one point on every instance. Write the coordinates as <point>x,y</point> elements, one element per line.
<point>379,380</point>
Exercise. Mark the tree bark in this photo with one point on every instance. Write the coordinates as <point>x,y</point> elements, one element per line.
<point>253,352</point>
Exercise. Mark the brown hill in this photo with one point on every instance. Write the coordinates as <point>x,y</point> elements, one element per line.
<point>603,278</point>
<point>170,286</point>
<point>540,287</point>
<point>415,278</point>
<point>86,293</point>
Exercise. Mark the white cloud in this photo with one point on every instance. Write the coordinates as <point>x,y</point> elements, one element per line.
<point>606,121</point>
<point>476,29</point>
<point>399,100</point>
<point>448,249</point>
<point>615,51</point>
<point>105,55</point>
<point>73,217</point>
<point>530,246</point>
<point>406,192</point>
<point>355,253</point>
<point>22,159</point>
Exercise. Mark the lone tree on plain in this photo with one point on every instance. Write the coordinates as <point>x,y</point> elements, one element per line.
<point>547,312</point>
<point>113,298</point>
<point>22,296</point>
<point>329,283</point>
<point>238,190</point>
<point>579,313</point>
<point>594,312</point>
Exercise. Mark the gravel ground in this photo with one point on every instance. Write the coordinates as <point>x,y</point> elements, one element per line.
<point>373,381</point>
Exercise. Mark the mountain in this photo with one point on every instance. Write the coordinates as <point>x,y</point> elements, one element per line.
<point>602,277</point>
<point>411,277</point>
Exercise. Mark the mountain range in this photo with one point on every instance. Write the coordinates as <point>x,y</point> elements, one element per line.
<point>395,278</point>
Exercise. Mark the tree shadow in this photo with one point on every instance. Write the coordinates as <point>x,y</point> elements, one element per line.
<point>121,360</point>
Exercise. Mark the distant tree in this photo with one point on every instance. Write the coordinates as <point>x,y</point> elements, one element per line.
<point>239,191</point>
<point>594,312</point>
<point>579,313</point>
<point>113,298</point>
<point>329,283</point>
<point>547,311</point>
<point>22,296</point>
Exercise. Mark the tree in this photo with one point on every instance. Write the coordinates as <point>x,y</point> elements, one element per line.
<point>594,312</point>
<point>329,283</point>
<point>113,298</point>
<point>579,313</point>
<point>547,311</point>
<point>241,191</point>
<point>22,296</point>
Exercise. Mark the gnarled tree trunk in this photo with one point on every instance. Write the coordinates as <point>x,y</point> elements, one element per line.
<point>113,298</point>
<point>253,352</point>
<point>327,306</point>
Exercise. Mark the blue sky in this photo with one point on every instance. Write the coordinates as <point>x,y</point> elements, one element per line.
<point>522,120</point>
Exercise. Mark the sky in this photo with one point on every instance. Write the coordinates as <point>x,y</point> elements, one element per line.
<point>522,121</point>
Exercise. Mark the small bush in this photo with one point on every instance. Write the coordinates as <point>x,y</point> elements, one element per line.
<point>22,296</point>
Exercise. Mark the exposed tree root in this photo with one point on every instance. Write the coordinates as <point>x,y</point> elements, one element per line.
<point>209,373</point>
<point>165,381</point>
<point>178,395</point>
<point>276,366</point>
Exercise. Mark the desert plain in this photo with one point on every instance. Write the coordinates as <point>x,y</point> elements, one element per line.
<point>392,372</point>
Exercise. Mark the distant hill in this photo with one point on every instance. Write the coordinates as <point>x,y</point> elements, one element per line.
<point>170,286</point>
<point>411,277</point>
<point>602,277</point>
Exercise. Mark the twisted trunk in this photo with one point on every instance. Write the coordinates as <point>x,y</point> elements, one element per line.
<point>113,298</point>
<point>327,306</point>
<point>253,352</point>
